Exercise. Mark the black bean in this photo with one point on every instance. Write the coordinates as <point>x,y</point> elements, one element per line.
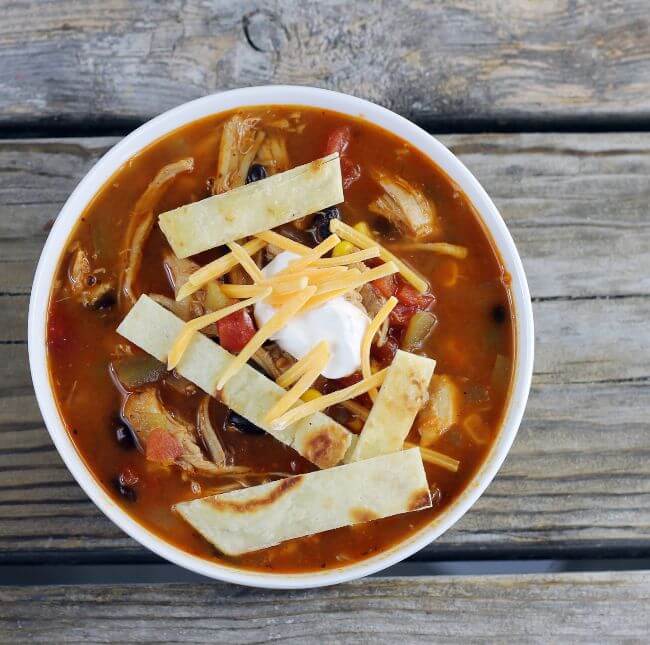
<point>124,437</point>
<point>127,492</point>
<point>320,227</point>
<point>255,173</point>
<point>242,424</point>
<point>499,314</point>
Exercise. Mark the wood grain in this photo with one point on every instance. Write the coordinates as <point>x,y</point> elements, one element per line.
<point>114,63</point>
<point>578,477</point>
<point>602,607</point>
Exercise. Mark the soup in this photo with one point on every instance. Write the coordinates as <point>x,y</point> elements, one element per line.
<point>349,307</point>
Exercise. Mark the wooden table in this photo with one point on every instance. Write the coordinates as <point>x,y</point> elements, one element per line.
<point>549,105</point>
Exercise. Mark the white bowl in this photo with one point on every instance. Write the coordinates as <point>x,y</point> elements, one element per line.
<point>269,95</point>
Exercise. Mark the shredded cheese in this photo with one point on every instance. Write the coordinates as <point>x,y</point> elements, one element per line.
<point>366,342</point>
<point>317,252</point>
<point>297,369</point>
<point>183,339</point>
<point>355,278</point>
<point>317,301</point>
<point>284,243</point>
<point>444,248</point>
<point>280,299</point>
<point>310,374</point>
<point>316,275</point>
<point>291,286</point>
<point>242,290</point>
<point>349,258</point>
<point>323,402</point>
<point>215,269</point>
<point>435,457</point>
<point>365,242</point>
<point>246,262</point>
<point>279,320</point>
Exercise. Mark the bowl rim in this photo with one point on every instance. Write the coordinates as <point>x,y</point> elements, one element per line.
<point>172,119</point>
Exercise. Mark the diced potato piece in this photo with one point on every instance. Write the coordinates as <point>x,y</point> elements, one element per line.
<point>441,411</point>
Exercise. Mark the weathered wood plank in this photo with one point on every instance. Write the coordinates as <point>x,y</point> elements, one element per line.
<point>71,62</point>
<point>586,235</point>
<point>588,607</point>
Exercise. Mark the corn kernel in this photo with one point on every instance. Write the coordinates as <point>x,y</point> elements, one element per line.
<point>311,394</point>
<point>343,248</point>
<point>363,228</point>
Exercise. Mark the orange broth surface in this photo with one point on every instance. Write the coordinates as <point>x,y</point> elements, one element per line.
<point>474,325</point>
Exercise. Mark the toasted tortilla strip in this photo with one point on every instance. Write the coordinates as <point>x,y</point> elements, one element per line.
<point>402,394</point>
<point>153,328</point>
<point>254,208</point>
<point>261,516</point>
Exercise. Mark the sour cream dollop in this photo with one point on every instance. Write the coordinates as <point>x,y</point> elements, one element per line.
<point>338,321</point>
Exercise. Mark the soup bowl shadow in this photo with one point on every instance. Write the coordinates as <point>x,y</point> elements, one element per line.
<point>281,95</point>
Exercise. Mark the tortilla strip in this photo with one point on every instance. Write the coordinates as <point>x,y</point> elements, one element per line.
<point>254,208</point>
<point>400,398</point>
<point>153,328</point>
<point>261,516</point>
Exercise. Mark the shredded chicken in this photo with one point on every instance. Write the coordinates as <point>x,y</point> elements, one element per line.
<point>91,291</point>
<point>141,222</point>
<point>273,360</point>
<point>291,124</point>
<point>237,275</point>
<point>273,154</point>
<point>356,299</point>
<point>178,273</point>
<point>240,143</point>
<point>146,414</point>
<point>79,271</point>
<point>208,433</point>
<point>180,309</point>
<point>406,208</point>
<point>271,251</point>
<point>373,301</point>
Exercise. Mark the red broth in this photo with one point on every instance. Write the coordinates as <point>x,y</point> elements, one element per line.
<point>474,327</point>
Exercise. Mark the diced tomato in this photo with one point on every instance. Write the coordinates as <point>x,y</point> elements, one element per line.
<point>374,262</point>
<point>236,330</point>
<point>162,448</point>
<point>409,296</point>
<point>386,286</point>
<point>338,140</point>
<point>350,171</point>
<point>385,353</point>
<point>401,315</point>
<point>347,381</point>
